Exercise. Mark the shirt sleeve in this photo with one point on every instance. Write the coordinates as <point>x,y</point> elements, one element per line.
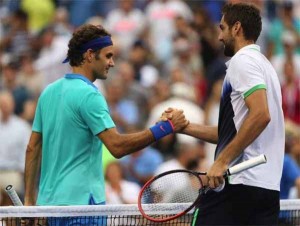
<point>248,76</point>
<point>94,111</point>
<point>37,122</point>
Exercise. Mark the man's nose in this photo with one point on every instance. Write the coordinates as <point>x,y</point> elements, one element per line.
<point>111,63</point>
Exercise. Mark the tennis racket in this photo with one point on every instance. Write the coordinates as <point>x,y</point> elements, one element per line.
<point>181,186</point>
<point>13,195</point>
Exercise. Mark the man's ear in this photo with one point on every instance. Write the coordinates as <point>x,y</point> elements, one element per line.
<point>89,54</point>
<point>237,27</point>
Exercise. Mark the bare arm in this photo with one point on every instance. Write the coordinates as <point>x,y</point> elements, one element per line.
<point>32,167</point>
<point>256,121</point>
<point>124,144</point>
<point>297,184</point>
<point>206,133</point>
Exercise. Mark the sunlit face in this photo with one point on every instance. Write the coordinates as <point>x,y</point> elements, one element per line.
<point>102,63</point>
<point>226,37</point>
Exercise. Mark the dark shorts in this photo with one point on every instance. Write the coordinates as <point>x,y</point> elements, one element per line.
<point>238,205</point>
<point>79,221</point>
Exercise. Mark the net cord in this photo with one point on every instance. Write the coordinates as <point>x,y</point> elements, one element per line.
<point>107,210</point>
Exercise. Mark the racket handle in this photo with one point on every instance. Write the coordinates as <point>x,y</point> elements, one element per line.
<point>247,164</point>
<point>220,188</point>
<point>13,195</point>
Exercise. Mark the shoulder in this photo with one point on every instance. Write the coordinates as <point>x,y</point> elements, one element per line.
<point>246,59</point>
<point>51,87</point>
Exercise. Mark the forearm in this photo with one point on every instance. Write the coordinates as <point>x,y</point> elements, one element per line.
<point>205,133</point>
<point>32,167</point>
<point>123,144</point>
<point>297,183</point>
<point>134,142</point>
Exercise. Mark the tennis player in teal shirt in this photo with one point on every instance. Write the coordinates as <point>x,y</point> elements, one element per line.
<point>72,121</point>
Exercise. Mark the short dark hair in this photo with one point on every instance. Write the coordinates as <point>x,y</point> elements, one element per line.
<point>81,36</point>
<point>248,15</point>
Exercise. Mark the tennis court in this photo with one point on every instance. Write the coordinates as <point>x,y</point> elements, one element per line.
<point>118,214</point>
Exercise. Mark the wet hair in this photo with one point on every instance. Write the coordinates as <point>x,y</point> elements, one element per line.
<point>80,37</point>
<point>249,17</point>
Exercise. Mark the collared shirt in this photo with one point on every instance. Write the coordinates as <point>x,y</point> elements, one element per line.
<point>69,115</point>
<point>249,70</point>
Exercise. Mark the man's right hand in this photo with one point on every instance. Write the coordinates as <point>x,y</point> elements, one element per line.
<point>177,118</point>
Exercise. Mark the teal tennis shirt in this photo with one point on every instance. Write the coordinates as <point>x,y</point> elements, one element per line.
<point>69,115</point>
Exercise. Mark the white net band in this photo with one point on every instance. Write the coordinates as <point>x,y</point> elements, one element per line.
<point>106,210</point>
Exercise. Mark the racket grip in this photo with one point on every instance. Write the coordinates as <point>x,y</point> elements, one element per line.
<point>247,164</point>
<point>13,195</point>
<point>220,188</point>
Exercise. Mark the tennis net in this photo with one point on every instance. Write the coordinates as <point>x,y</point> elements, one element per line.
<point>114,215</point>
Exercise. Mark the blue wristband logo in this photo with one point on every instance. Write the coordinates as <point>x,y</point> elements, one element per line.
<point>161,129</point>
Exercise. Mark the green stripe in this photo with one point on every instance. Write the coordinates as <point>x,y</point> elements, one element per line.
<point>250,91</point>
<point>255,49</point>
<point>195,217</point>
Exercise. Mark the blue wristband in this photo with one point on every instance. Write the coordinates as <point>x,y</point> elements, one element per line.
<point>162,129</point>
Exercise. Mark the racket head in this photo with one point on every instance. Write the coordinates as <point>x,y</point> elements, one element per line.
<point>170,188</point>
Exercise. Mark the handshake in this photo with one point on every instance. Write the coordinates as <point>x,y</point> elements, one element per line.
<point>176,117</point>
<point>171,121</point>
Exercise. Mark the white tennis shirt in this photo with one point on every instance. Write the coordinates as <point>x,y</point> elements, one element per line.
<point>247,71</point>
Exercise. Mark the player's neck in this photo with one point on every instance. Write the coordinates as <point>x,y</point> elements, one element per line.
<point>242,43</point>
<point>83,72</point>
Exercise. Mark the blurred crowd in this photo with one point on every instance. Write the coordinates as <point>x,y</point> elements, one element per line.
<point>167,54</point>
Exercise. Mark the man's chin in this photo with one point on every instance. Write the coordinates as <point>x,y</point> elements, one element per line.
<point>228,53</point>
<point>103,76</point>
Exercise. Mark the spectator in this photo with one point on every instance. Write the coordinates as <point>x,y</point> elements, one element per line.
<point>81,11</point>
<point>61,22</point>
<point>182,96</point>
<point>211,111</point>
<point>186,59</point>
<point>289,43</point>
<point>285,22</point>
<point>119,190</point>
<point>140,58</point>
<point>187,156</point>
<point>14,135</point>
<point>31,79</point>
<point>17,40</point>
<point>140,166</point>
<point>126,24</point>
<point>291,93</point>
<point>53,51</point>
<point>9,82</point>
<point>207,31</point>
<point>123,111</point>
<point>134,90</point>
<point>160,17</point>
<point>290,179</point>
<point>40,13</point>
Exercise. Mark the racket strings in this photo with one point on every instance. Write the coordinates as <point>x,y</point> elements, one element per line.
<point>179,187</point>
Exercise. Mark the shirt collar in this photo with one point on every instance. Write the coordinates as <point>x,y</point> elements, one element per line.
<point>83,78</point>
<point>248,47</point>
